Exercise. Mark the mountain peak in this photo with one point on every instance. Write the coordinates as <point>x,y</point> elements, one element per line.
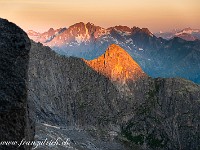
<point>146,30</point>
<point>51,30</point>
<point>114,48</point>
<point>188,28</point>
<point>79,24</point>
<point>137,30</point>
<point>89,23</point>
<point>117,65</point>
<point>32,33</point>
<point>116,51</point>
<point>121,28</point>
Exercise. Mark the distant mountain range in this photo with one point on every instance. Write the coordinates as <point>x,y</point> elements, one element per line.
<point>158,57</point>
<point>187,34</point>
<point>108,103</point>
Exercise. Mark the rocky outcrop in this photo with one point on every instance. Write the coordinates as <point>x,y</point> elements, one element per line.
<point>117,65</point>
<point>83,95</point>
<point>14,121</point>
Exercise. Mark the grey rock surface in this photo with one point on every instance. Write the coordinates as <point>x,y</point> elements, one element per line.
<point>169,118</point>
<point>67,92</point>
<point>14,56</point>
<point>151,114</point>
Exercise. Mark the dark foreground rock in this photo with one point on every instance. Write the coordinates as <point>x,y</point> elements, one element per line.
<point>14,56</point>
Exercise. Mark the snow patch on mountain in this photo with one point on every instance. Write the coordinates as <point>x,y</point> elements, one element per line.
<point>140,49</point>
<point>123,33</point>
<point>129,41</point>
<point>87,36</point>
<point>102,32</point>
<point>80,38</point>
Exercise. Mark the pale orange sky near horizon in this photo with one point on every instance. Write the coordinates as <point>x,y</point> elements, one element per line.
<point>40,15</point>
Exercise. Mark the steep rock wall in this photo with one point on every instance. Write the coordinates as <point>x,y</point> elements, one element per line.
<point>14,56</point>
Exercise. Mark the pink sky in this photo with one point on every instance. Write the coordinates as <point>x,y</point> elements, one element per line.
<point>156,15</point>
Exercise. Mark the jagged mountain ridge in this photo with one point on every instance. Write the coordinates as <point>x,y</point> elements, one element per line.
<point>46,36</point>
<point>79,32</point>
<point>156,56</point>
<point>69,93</point>
<point>187,34</point>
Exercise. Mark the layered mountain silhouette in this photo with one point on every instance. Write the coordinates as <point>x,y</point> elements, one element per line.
<point>80,101</point>
<point>156,56</point>
<point>187,34</point>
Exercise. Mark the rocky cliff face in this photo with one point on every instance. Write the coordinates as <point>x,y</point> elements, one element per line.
<point>80,100</point>
<point>14,49</point>
<point>70,92</point>
<point>117,65</point>
<point>168,119</point>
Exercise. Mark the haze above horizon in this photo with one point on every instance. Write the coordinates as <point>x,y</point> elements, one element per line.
<point>155,14</point>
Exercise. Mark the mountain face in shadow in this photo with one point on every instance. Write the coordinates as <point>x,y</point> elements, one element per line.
<point>156,56</point>
<point>15,123</point>
<point>109,99</point>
